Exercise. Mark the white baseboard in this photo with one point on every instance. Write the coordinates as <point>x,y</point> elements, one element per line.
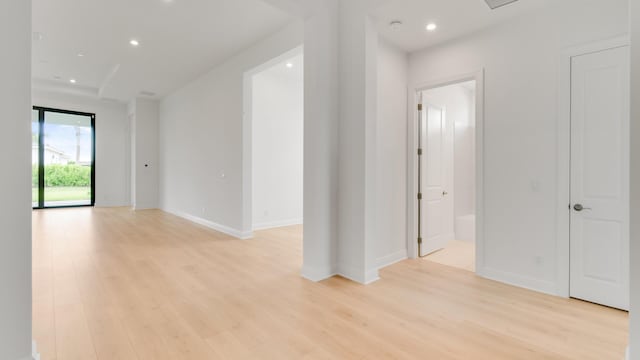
<point>628,354</point>
<point>102,204</point>
<point>210,224</point>
<point>362,277</point>
<point>546,287</point>
<point>368,277</point>
<point>148,206</point>
<point>277,224</point>
<point>35,355</point>
<point>318,274</point>
<point>34,352</point>
<point>391,259</point>
<point>371,276</point>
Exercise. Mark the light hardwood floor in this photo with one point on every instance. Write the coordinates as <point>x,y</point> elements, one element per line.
<point>459,254</point>
<point>116,284</point>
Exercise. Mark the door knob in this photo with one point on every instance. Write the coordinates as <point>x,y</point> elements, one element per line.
<point>444,193</point>
<point>579,207</point>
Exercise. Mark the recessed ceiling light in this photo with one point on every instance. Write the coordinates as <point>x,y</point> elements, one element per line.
<point>80,55</point>
<point>395,25</point>
<point>289,65</point>
<point>431,27</point>
<point>73,81</point>
<point>134,42</point>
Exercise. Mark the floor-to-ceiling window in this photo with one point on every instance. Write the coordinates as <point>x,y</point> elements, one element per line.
<point>63,158</point>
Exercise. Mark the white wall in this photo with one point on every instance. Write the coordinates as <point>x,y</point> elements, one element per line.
<point>391,155</point>
<point>15,212</point>
<point>321,141</point>
<point>143,115</point>
<point>357,44</point>
<point>277,148</point>
<point>131,122</point>
<point>465,157</point>
<point>635,180</point>
<point>112,143</point>
<point>201,152</point>
<point>521,62</point>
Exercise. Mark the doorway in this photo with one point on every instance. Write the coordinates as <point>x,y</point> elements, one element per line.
<point>414,212</point>
<point>447,187</point>
<point>599,148</point>
<point>63,158</point>
<point>273,144</point>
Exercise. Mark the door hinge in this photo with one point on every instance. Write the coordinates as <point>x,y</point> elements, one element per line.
<point>420,240</point>
<point>419,107</point>
<point>419,152</point>
<point>419,196</point>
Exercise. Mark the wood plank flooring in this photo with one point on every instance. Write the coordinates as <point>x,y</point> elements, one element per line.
<point>116,284</point>
<point>458,254</point>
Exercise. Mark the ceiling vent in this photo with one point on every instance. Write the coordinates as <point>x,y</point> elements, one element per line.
<point>494,4</point>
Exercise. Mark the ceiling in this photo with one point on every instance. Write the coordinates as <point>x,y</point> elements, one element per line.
<point>179,40</point>
<point>454,18</point>
<point>182,39</point>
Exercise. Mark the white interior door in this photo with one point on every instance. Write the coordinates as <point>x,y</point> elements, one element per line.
<point>600,177</point>
<point>434,180</point>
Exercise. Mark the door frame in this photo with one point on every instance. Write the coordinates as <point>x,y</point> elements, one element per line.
<point>412,166</point>
<point>41,120</point>
<point>563,239</point>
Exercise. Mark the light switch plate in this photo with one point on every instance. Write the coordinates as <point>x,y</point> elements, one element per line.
<point>494,4</point>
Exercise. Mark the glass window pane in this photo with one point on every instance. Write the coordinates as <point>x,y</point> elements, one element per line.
<point>68,155</point>
<point>35,158</point>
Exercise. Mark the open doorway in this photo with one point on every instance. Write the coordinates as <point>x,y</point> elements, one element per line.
<point>446,172</point>
<point>448,175</point>
<point>274,132</point>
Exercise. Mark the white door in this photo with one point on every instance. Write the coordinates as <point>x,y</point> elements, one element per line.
<point>434,180</point>
<point>600,155</point>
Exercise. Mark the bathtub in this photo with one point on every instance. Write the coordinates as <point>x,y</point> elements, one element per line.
<point>466,228</point>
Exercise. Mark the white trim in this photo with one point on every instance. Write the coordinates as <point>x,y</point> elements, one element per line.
<point>318,274</point>
<point>628,354</point>
<point>34,352</point>
<point>518,280</point>
<point>412,135</point>
<point>391,259</point>
<point>357,275</point>
<point>247,134</point>
<point>563,200</point>
<point>242,235</point>
<point>277,224</point>
<point>35,355</point>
